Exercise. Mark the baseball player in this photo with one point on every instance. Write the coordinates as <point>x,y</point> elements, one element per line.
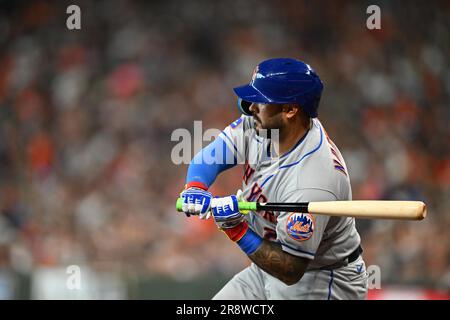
<point>294,255</point>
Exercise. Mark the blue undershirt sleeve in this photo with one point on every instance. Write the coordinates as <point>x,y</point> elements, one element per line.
<point>210,162</point>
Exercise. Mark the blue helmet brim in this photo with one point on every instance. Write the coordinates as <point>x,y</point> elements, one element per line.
<point>250,94</point>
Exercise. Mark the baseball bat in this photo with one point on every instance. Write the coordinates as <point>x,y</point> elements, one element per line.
<point>365,209</point>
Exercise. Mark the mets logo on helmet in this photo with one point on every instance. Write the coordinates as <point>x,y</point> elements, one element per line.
<point>300,226</point>
<point>255,73</point>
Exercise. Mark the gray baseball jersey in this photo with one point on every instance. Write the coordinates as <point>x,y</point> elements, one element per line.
<point>313,170</point>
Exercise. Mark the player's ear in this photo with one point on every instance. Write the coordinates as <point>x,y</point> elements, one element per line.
<point>291,110</point>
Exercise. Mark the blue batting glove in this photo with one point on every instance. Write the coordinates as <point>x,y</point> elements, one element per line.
<point>226,212</point>
<point>196,201</point>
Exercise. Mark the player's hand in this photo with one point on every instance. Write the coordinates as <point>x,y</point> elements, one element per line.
<point>239,197</point>
<point>226,212</point>
<point>196,201</point>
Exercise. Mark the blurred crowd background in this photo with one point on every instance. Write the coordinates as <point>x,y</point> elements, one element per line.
<point>86,118</point>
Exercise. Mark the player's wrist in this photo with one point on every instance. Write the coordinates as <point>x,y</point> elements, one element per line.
<point>196,184</point>
<point>237,232</point>
<point>245,238</point>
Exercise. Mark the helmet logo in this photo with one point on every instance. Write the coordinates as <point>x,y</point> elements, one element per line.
<point>255,72</point>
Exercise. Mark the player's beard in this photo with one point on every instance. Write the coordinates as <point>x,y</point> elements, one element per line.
<point>264,129</point>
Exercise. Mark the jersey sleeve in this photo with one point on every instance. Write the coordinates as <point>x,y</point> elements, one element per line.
<point>236,137</point>
<point>301,233</point>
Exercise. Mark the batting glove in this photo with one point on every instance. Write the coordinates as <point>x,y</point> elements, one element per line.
<point>196,201</point>
<point>226,212</point>
<point>239,196</point>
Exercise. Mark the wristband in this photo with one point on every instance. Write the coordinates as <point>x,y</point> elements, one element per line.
<point>196,184</point>
<point>246,239</point>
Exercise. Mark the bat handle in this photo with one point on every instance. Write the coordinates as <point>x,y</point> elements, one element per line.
<point>243,206</point>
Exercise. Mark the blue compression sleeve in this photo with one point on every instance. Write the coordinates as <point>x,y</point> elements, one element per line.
<point>210,162</point>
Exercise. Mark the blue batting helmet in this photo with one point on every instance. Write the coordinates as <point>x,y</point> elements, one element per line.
<point>281,81</point>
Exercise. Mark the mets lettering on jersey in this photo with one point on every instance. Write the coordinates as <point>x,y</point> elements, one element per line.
<point>300,226</point>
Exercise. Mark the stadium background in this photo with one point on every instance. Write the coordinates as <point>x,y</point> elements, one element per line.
<point>86,118</point>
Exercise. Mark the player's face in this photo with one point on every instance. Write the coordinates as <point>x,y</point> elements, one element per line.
<point>267,116</point>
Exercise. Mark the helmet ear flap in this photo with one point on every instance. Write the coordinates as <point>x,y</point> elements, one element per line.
<point>244,106</point>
